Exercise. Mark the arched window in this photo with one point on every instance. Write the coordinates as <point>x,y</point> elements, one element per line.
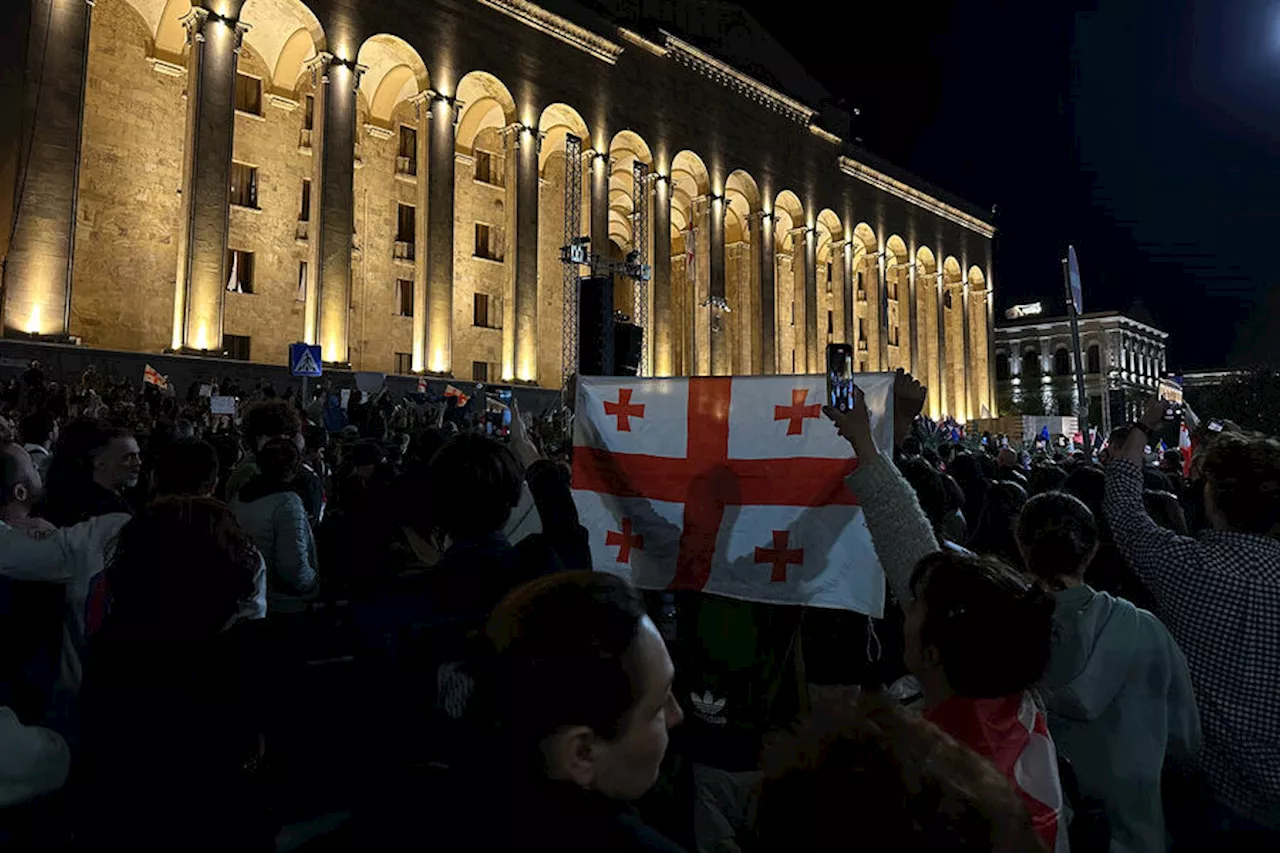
<point>1030,365</point>
<point>1002,365</point>
<point>1095,359</point>
<point>1062,363</point>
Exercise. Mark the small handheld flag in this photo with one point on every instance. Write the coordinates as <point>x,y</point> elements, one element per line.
<point>151,376</point>
<point>457,394</point>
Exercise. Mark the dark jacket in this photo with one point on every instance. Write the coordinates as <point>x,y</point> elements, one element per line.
<point>561,817</point>
<point>81,503</point>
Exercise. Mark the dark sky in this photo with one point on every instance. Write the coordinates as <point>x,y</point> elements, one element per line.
<point>1146,132</point>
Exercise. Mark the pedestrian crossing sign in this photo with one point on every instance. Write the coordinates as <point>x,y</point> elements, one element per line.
<point>304,360</point>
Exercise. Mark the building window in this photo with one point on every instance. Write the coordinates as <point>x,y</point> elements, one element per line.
<point>240,275</point>
<point>1065,405</point>
<point>248,94</point>
<point>1062,363</point>
<point>479,371</point>
<point>831,322</point>
<point>862,293</point>
<point>304,208</point>
<point>862,334</point>
<point>302,282</point>
<point>406,221</point>
<point>404,297</point>
<point>407,159</point>
<point>244,185</point>
<point>793,312</point>
<point>487,242</point>
<point>308,121</point>
<point>893,335</point>
<point>1031,365</point>
<point>1095,359</point>
<point>831,274</point>
<point>1002,365</point>
<point>484,313</point>
<point>404,362</point>
<point>485,172</point>
<point>793,361</point>
<point>236,346</point>
<point>892,284</point>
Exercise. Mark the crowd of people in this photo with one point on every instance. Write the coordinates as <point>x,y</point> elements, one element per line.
<point>324,627</point>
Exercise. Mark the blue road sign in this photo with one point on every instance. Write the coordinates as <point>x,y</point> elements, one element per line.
<point>304,360</point>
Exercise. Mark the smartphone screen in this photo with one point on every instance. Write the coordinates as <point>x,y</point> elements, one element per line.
<point>840,376</point>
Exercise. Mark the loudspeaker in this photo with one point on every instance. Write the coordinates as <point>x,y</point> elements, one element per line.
<point>595,326</point>
<point>627,342</point>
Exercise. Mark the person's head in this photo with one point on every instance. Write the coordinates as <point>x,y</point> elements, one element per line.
<point>582,683</point>
<point>1172,461</point>
<point>39,427</point>
<point>187,466</point>
<point>272,419</point>
<point>1087,483</point>
<point>475,483</point>
<point>1166,511</point>
<point>1045,478</point>
<point>928,486</point>
<point>1007,458</point>
<point>911,446</point>
<point>976,626</point>
<point>1242,491</point>
<point>278,460</point>
<point>180,549</point>
<point>21,483</point>
<point>365,457</point>
<point>116,460</point>
<point>847,767</point>
<point>1057,536</point>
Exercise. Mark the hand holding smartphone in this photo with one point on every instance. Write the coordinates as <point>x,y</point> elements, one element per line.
<point>840,386</point>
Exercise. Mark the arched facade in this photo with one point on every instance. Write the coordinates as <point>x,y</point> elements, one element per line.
<point>392,187</point>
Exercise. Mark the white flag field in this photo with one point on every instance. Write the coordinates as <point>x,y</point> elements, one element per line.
<point>728,485</point>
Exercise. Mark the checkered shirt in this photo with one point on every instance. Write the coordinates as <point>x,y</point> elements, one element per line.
<point>1219,596</point>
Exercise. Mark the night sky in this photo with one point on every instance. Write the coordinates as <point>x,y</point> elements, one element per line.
<point>1147,132</point>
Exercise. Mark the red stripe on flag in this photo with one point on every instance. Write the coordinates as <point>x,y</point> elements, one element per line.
<point>707,480</point>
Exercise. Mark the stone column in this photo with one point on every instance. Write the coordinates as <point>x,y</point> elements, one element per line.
<point>914,322</point>
<point>849,322</point>
<point>768,294</point>
<point>800,279</point>
<point>201,284</point>
<point>37,272</point>
<point>967,381</point>
<point>421,235</point>
<point>663,351</point>
<point>882,309</point>
<point>700,292</point>
<point>520,327</point>
<point>810,273</point>
<point>333,190</point>
<point>443,120</point>
<point>601,165</point>
<point>943,405</point>
<point>721,362</point>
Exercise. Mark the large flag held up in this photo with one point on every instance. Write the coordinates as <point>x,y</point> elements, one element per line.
<point>728,485</point>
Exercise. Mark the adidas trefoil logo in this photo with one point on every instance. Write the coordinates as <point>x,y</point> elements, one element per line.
<point>709,708</point>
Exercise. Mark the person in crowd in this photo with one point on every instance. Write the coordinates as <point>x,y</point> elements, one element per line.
<point>39,434</point>
<point>34,761</point>
<point>994,534</point>
<point>275,419</point>
<point>1164,509</point>
<point>1117,689</point>
<point>93,467</point>
<point>573,760</point>
<point>1046,477</point>
<point>966,468</point>
<point>173,689</point>
<point>1172,465</point>
<point>937,499</point>
<point>187,466</point>
<point>1108,571</point>
<point>32,550</point>
<point>1219,595</point>
<point>976,635</point>
<point>847,768</point>
<point>1009,467</point>
<point>272,513</point>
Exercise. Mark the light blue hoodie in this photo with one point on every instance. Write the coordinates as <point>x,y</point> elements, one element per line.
<point>1119,699</point>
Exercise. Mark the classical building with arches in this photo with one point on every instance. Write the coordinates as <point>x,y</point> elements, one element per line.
<point>394,181</point>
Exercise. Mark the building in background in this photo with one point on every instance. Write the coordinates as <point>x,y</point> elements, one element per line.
<point>1035,369</point>
<point>394,180</point>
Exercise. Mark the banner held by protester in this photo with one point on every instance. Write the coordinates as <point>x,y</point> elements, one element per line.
<point>728,485</point>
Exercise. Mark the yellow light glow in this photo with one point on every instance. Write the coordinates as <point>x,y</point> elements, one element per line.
<point>33,322</point>
<point>439,363</point>
<point>202,336</point>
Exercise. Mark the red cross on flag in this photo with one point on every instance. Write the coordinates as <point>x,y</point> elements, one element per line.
<point>727,485</point>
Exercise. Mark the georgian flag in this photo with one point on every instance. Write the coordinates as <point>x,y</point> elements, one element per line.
<point>728,485</point>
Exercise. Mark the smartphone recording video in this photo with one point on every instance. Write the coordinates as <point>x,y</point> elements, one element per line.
<point>840,376</point>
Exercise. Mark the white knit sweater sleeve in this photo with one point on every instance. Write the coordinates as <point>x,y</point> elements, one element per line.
<point>900,531</point>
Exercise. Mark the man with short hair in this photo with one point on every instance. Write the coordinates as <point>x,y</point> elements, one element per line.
<point>116,463</point>
<point>1219,596</point>
<point>263,422</point>
<point>33,550</point>
<point>187,466</point>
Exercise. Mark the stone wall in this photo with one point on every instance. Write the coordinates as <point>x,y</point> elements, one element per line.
<point>131,172</point>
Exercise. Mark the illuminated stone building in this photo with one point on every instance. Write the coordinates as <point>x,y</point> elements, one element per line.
<point>394,180</point>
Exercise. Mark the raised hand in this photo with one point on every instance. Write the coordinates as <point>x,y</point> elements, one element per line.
<point>854,425</point>
<point>908,399</point>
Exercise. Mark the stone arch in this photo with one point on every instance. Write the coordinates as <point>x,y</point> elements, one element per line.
<point>866,297</point>
<point>898,302</point>
<point>286,34</point>
<point>690,261</point>
<point>977,280</point>
<point>394,73</point>
<point>926,308</point>
<point>486,104</point>
<point>626,148</point>
<point>164,25</point>
<point>830,273</point>
<point>955,404</point>
<point>556,122</point>
<point>788,216</point>
<point>742,272</point>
